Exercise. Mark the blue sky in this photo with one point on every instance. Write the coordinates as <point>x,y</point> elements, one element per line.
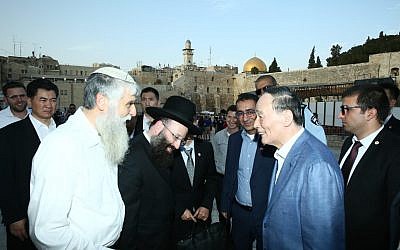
<point>154,32</point>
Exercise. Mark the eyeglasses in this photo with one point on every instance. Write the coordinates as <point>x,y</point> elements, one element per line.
<point>177,138</point>
<point>345,108</point>
<point>262,90</point>
<point>249,112</point>
<point>15,97</point>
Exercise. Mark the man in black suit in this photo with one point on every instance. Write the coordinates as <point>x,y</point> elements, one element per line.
<point>248,172</point>
<point>194,181</point>
<point>370,167</point>
<point>149,97</point>
<point>391,122</point>
<point>145,178</point>
<point>18,144</point>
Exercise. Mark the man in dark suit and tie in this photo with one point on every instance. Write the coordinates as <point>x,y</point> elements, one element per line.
<point>149,97</point>
<point>18,144</point>
<point>248,172</point>
<point>370,166</point>
<point>144,178</point>
<point>391,122</point>
<point>194,181</point>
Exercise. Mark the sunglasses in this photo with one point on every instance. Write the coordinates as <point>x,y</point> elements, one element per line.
<point>345,108</point>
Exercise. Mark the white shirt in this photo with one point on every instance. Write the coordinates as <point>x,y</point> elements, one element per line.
<point>146,123</point>
<point>281,154</point>
<point>75,202</point>
<point>7,117</point>
<point>42,130</point>
<point>361,150</point>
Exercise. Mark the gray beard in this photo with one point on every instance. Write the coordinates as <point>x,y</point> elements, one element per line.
<point>114,136</point>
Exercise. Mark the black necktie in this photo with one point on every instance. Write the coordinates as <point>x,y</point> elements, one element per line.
<point>348,163</point>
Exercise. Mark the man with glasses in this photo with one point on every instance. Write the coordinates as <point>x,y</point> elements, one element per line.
<point>145,178</point>
<point>370,162</point>
<point>15,96</point>
<point>19,142</point>
<point>310,120</point>
<point>248,171</point>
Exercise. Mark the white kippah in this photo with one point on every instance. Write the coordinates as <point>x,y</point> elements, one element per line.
<point>115,73</point>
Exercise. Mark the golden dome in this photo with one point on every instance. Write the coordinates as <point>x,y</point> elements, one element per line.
<point>254,62</point>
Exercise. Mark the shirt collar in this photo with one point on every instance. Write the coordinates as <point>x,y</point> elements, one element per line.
<point>366,141</point>
<point>10,114</point>
<point>388,118</point>
<point>38,123</point>
<point>147,136</point>
<point>284,150</point>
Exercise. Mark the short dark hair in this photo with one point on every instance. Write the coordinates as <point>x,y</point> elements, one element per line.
<point>12,85</point>
<point>231,108</point>
<point>393,90</point>
<point>370,96</point>
<point>150,89</point>
<point>40,83</point>
<point>270,79</point>
<point>285,99</point>
<point>247,96</point>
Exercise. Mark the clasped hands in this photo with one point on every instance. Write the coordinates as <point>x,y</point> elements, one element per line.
<point>201,213</point>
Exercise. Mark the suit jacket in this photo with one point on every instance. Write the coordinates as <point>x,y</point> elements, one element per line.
<point>393,125</point>
<point>139,125</point>
<point>149,202</point>
<point>18,144</point>
<point>260,176</point>
<point>202,193</point>
<point>395,223</point>
<point>306,209</point>
<point>370,191</point>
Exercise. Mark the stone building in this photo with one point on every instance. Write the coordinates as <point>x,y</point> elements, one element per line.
<point>211,88</point>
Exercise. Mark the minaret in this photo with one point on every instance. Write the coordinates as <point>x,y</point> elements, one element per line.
<point>188,54</point>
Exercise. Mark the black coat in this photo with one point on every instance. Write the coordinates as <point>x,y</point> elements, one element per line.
<point>149,202</point>
<point>18,144</point>
<point>202,193</point>
<point>393,125</point>
<point>370,191</point>
<point>139,125</point>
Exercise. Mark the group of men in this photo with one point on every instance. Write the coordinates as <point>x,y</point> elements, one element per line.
<point>270,170</point>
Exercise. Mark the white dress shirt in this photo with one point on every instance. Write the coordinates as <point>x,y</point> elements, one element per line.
<point>7,117</point>
<point>280,154</point>
<point>366,141</point>
<point>42,130</point>
<point>75,202</point>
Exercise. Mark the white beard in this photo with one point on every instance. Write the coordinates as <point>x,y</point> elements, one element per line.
<point>113,134</point>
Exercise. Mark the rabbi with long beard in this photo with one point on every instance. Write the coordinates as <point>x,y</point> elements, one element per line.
<point>144,177</point>
<point>75,202</point>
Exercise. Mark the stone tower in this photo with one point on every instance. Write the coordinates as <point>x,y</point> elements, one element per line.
<point>188,54</point>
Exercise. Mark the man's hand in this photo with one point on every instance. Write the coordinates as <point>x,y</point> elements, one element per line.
<point>225,214</point>
<point>187,215</point>
<point>18,229</point>
<point>202,213</point>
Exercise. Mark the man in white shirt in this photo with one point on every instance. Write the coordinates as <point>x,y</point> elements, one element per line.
<point>15,96</point>
<point>305,208</point>
<point>19,142</point>
<point>75,202</point>
<point>220,147</point>
<point>370,164</point>
<point>149,97</point>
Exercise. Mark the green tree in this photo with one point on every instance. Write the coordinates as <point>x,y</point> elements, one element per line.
<point>274,67</point>
<point>254,70</point>
<point>381,34</point>
<point>335,54</point>
<point>318,64</point>
<point>311,61</point>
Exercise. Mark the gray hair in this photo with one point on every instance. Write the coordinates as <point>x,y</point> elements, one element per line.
<point>110,87</point>
<point>284,99</point>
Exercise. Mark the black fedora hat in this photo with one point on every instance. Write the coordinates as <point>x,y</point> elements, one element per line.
<point>178,109</point>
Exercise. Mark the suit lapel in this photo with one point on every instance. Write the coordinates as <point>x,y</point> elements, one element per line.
<point>368,158</point>
<point>287,169</point>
